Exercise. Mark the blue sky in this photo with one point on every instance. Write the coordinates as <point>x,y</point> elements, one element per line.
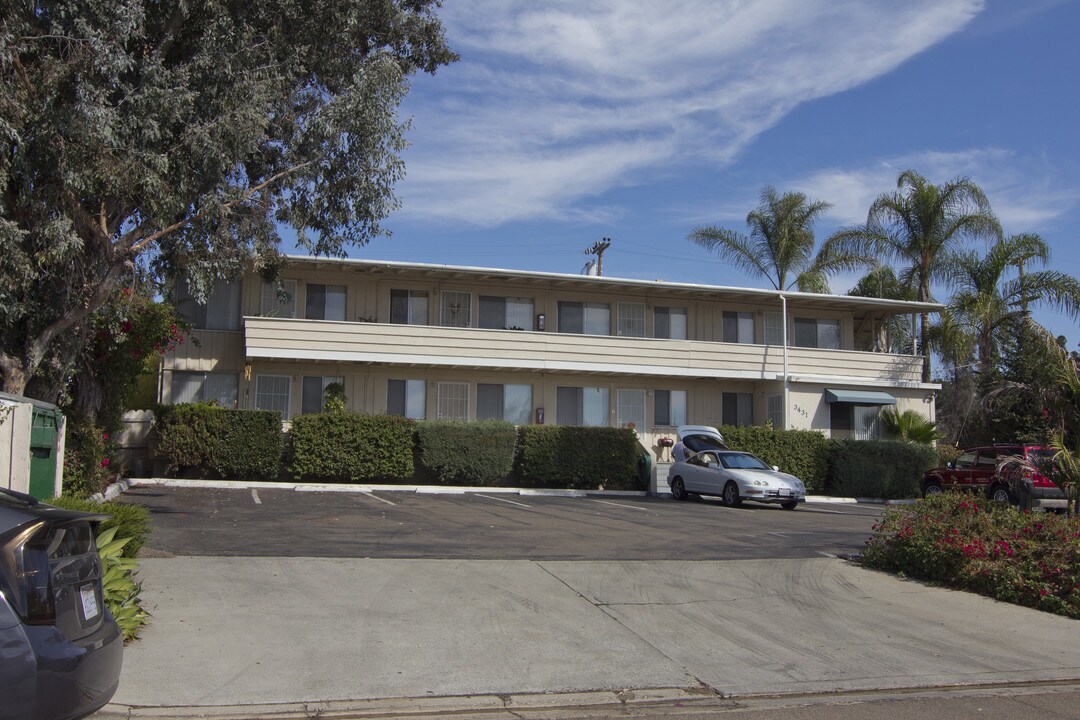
<point>565,122</point>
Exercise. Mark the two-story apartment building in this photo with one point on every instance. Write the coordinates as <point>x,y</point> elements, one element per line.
<point>439,341</point>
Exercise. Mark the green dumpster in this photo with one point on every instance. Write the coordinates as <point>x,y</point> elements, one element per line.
<point>44,435</point>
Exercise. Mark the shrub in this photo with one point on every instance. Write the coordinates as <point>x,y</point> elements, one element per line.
<point>970,543</point>
<point>345,446</point>
<point>947,454</point>
<point>86,460</point>
<point>232,443</point>
<point>878,468</point>
<point>467,453</point>
<point>130,521</point>
<point>578,457</point>
<point>122,595</point>
<point>803,453</point>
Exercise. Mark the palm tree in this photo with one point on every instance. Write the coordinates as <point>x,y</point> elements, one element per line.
<point>780,246</point>
<point>909,426</point>
<point>918,225</point>
<point>895,334</point>
<point>991,302</point>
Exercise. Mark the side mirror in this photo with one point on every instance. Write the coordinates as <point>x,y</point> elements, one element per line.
<point>950,465</point>
<point>776,468</point>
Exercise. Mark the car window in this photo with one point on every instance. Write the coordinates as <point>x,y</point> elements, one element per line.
<point>987,459</point>
<point>703,458</point>
<point>966,460</point>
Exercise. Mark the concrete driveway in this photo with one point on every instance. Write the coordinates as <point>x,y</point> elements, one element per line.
<point>305,632</point>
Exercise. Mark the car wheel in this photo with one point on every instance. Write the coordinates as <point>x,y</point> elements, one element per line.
<point>678,490</point>
<point>789,505</point>
<point>1001,494</point>
<point>731,495</point>
<point>931,489</point>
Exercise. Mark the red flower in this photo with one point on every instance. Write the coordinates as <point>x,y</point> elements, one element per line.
<point>104,462</point>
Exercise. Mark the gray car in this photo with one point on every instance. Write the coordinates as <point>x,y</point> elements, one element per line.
<point>60,650</point>
<point>734,477</point>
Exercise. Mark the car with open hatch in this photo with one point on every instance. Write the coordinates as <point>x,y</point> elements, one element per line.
<point>60,649</point>
<point>734,476</point>
<point>977,470</point>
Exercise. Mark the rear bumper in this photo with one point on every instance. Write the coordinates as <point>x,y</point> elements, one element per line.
<point>1042,498</point>
<point>74,678</point>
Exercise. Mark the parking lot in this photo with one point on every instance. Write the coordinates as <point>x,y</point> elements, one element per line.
<point>490,526</point>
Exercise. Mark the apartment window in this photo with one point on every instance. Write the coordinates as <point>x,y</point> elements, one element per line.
<point>219,388</point>
<point>325,302</point>
<point>409,307</point>
<point>774,328</point>
<point>504,402</point>
<point>738,327</point>
<point>272,393</point>
<point>863,421</point>
<point>774,410</point>
<point>456,309</point>
<point>587,406</point>
<point>631,320</point>
<point>817,333</point>
<point>314,392</point>
<point>220,311</point>
<point>453,401</point>
<point>505,313</point>
<point>630,409</point>
<point>585,318</point>
<point>669,407</point>
<point>407,398</point>
<point>271,304</point>
<point>669,323</point>
<point>738,409</point>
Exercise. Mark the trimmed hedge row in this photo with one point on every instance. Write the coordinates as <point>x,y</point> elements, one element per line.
<point>803,453</point>
<point>232,443</point>
<point>466,453</point>
<point>347,446</point>
<point>578,457</point>
<point>878,468</point>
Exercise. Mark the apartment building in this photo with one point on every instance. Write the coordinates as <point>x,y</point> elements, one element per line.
<point>440,341</point>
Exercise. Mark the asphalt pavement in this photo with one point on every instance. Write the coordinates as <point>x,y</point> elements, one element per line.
<point>461,626</point>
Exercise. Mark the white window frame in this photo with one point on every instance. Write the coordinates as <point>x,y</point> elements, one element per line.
<point>286,413</point>
<point>630,408</point>
<point>414,389</point>
<point>462,317</point>
<point>344,292</point>
<point>774,327</point>
<point>453,401</point>
<point>744,326</point>
<point>677,411</point>
<point>410,295</point>
<point>271,306</point>
<point>326,380</point>
<point>774,410</point>
<point>631,319</point>
<point>672,332</point>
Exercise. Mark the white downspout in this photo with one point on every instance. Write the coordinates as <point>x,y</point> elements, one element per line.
<point>787,376</point>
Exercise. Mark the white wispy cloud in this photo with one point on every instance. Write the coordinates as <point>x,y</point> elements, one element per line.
<point>558,102</point>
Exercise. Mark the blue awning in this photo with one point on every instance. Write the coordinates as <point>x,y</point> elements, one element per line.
<point>859,397</point>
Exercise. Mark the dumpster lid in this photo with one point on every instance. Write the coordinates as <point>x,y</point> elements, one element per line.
<point>40,404</point>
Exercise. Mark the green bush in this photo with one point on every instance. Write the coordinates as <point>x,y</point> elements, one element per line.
<point>947,454</point>
<point>233,443</point>
<point>878,468</point>
<point>466,453</point>
<point>130,521</point>
<point>802,453</point>
<point>969,543</point>
<point>122,595</point>
<point>346,446</point>
<point>578,457</point>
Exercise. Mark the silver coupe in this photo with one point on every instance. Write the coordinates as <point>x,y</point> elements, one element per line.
<point>734,477</point>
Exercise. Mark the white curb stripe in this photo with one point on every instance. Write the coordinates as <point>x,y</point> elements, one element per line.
<point>512,502</point>
<point>255,496</point>
<point>607,502</point>
<point>376,497</point>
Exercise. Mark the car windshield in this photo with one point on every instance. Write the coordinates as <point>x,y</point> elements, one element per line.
<point>742,461</point>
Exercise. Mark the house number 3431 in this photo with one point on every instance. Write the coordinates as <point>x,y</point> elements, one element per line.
<point>799,409</point>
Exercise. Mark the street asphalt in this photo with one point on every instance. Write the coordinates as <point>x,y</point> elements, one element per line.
<point>460,626</point>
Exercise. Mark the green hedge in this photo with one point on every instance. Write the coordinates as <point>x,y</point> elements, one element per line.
<point>130,521</point>
<point>803,453</point>
<point>346,446</point>
<point>578,457</point>
<point>480,452</point>
<point>878,468</point>
<point>235,444</point>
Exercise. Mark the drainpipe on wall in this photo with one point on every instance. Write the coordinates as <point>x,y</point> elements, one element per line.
<point>787,376</point>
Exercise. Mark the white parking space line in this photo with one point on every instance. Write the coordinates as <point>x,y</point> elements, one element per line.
<point>512,502</point>
<point>376,497</point>
<point>255,496</point>
<point>608,502</point>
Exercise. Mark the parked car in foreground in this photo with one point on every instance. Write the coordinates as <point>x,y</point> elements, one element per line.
<point>734,477</point>
<point>976,470</point>
<point>60,650</point>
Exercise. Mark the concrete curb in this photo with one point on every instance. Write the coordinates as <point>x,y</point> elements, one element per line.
<point>492,706</point>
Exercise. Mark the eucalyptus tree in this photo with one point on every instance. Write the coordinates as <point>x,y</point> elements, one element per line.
<point>152,133</point>
<point>994,291</point>
<point>781,244</point>
<point>918,226</point>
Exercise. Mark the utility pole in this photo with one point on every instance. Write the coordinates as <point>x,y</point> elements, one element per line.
<point>598,249</point>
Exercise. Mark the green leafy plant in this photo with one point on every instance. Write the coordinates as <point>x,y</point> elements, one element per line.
<point>970,543</point>
<point>232,443</point>
<point>909,426</point>
<point>878,468</point>
<point>130,521</point>
<point>121,593</point>
<point>346,446</point>
<point>454,452</point>
<point>578,457</point>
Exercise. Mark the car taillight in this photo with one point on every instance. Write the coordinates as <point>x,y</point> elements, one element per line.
<point>25,574</point>
<point>1038,479</point>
